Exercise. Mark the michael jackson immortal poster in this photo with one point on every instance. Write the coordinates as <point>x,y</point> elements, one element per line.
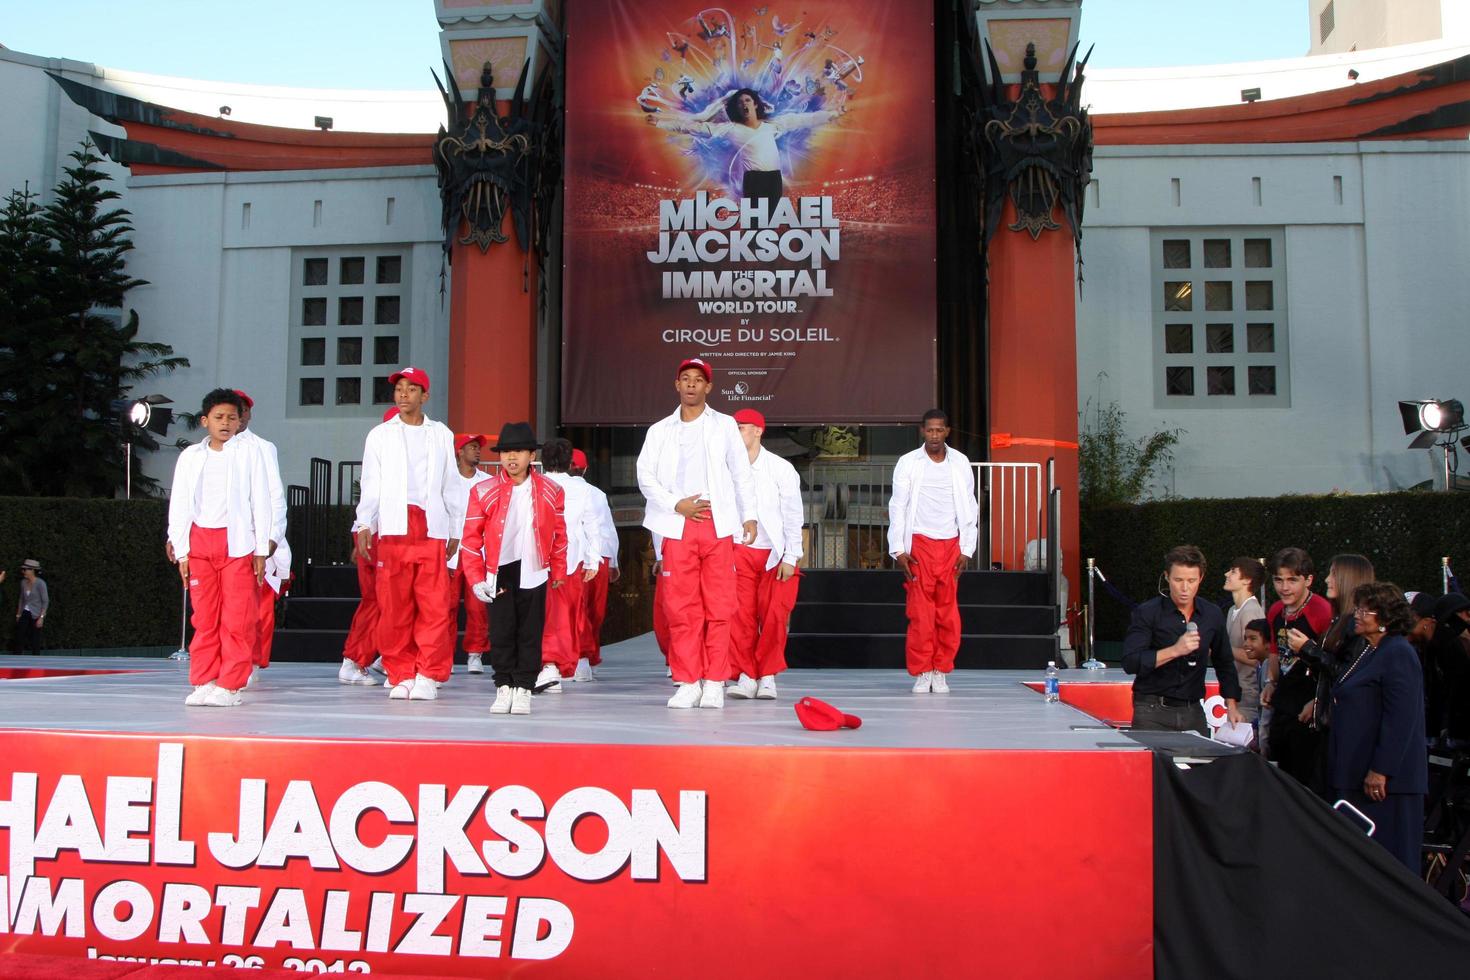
<point>752,185</point>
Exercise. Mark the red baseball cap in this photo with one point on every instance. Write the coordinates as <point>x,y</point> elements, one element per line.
<point>390,413</point>
<point>819,716</point>
<point>749,416</point>
<point>414,375</point>
<point>465,438</point>
<point>249,402</point>
<point>695,362</point>
<point>579,459</point>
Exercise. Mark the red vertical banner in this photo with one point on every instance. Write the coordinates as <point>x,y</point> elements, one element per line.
<point>753,185</point>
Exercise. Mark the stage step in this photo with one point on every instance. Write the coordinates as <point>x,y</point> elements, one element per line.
<point>857,619</point>
<point>332,581</point>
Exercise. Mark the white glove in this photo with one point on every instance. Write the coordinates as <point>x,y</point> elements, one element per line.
<point>485,591</point>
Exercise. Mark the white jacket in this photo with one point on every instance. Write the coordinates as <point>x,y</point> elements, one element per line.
<point>383,504</point>
<point>778,507</point>
<point>462,501</point>
<point>249,499</point>
<point>731,494</point>
<point>278,566</point>
<point>584,528</point>
<point>607,527</point>
<point>904,504</point>
<point>272,462</point>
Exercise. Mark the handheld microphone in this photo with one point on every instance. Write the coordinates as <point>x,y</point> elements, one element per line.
<point>1191,627</point>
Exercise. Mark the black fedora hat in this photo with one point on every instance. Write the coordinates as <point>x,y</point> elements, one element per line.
<point>516,435</point>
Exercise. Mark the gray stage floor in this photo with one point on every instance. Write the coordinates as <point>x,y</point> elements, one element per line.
<point>625,705</point>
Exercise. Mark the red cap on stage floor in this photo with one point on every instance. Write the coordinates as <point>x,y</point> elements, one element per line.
<point>579,459</point>
<point>415,375</point>
<point>464,439</point>
<point>390,413</point>
<point>695,362</point>
<point>819,716</point>
<point>249,402</point>
<point>749,416</point>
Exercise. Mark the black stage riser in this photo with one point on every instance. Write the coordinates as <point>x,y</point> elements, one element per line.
<point>853,617</point>
<point>325,614</point>
<point>886,652</point>
<point>975,588</point>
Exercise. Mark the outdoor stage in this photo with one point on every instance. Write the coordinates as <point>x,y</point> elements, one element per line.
<point>325,828</point>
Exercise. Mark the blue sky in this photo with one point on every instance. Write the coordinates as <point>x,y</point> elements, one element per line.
<point>392,44</point>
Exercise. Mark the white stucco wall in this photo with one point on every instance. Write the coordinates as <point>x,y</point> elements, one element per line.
<point>1376,294</point>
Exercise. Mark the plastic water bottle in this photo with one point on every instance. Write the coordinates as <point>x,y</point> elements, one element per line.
<point>1053,685</point>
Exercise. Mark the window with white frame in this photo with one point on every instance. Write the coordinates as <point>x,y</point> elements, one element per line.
<point>1219,317</point>
<point>349,329</point>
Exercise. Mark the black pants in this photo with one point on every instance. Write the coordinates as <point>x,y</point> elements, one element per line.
<point>517,618</point>
<point>762,185</point>
<point>1150,714</point>
<point>27,634</point>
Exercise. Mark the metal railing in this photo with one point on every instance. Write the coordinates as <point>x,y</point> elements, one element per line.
<point>848,518</point>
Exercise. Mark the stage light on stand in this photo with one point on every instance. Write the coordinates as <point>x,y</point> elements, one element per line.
<point>146,413</point>
<point>1436,422</point>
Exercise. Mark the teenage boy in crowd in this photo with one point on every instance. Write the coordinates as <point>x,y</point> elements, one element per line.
<point>1292,681</point>
<point>409,492</point>
<point>933,524</point>
<point>219,531</point>
<point>247,436</point>
<point>1242,580</point>
<point>562,645</point>
<point>476,624</point>
<point>1255,638</point>
<point>515,544</point>
<point>361,648</point>
<point>1172,640</point>
<point>694,472</point>
<point>765,570</point>
<point>594,594</point>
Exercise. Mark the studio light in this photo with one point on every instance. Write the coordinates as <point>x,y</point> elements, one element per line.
<point>140,413</point>
<point>1428,418</point>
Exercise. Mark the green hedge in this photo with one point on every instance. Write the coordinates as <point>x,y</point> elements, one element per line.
<point>104,567</point>
<point>1404,534</point>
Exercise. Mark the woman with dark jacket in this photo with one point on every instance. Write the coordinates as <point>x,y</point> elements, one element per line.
<point>1377,759</point>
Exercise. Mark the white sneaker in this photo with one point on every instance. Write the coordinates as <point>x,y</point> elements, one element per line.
<point>520,701</point>
<point>473,664</point>
<point>687,696</point>
<point>400,692</point>
<point>938,683</point>
<point>713,695</point>
<point>549,680</point>
<point>767,689</point>
<point>668,672</point>
<point>423,689</point>
<point>921,683</point>
<point>742,688</point>
<point>351,673</point>
<point>250,681</point>
<point>503,697</point>
<point>377,667</point>
<point>584,671</point>
<point>196,697</point>
<point>222,697</point>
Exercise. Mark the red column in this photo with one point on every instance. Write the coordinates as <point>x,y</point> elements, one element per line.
<point>492,340</point>
<point>1033,361</point>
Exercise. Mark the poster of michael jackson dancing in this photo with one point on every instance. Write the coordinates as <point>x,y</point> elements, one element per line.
<point>751,184</point>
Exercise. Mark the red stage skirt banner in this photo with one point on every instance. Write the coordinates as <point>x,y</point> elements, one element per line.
<point>796,256</point>
<point>480,860</point>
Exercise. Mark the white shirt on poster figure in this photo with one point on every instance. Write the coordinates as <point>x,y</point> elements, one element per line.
<point>755,146</point>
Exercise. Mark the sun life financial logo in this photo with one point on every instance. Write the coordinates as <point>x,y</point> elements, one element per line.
<point>741,388</point>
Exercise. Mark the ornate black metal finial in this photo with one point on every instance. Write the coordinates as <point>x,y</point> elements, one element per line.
<point>1036,151</point>
<point>486,164</point>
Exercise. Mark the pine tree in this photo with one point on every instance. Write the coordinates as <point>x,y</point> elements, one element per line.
<point>81,360</point>
<point>28,317</point>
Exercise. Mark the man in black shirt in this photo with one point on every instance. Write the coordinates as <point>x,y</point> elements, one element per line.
<point>1169,658</point>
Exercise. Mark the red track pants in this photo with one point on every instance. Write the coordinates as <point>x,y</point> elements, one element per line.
<point>762,611</point>
<point>594,611</point>
<point>226,620</point>
<point>413,602</point>
<point>700,602</point>
<point>476,617</point>
<point>661,613</point>
<point>933,606</point>
<point>561,636</point>
<point>362,637</point>
<point>266,632</point>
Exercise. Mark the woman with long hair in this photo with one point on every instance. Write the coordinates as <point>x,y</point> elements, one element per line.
<point>1338,646</point>
<point>1376,757</point>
